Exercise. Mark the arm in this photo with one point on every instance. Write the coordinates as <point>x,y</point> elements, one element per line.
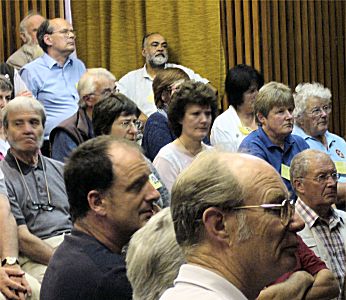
<point>20,87</point>
<point>28,80</point>
<point>324,287</point>
<point>33,247</point>
<point>62,146</point>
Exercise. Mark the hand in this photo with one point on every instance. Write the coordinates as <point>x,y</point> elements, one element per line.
<point>24,94</point>
<point>11,283</point>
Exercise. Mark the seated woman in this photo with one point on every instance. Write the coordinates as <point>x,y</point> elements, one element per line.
<point>117,115</point>
<point>6,89</point>
<point>190,114</point>
<point>156,131</point>
<point>232,126</point>
<point>273,141</point>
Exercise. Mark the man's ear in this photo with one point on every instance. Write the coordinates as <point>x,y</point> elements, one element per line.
<point>96,202</point>
<point>144,53</point>
<point>23,37</point>
<point>298,186</point>
<point>215,225</point>
<point>47,38</point>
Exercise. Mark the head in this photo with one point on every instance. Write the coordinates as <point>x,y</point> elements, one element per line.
<point>116,115</point>
<point>28,28</point>
<point>314,179</point>
<point>23,123</point>
<point>192,95</point>
<point>155,49</point>
<point>204,203</point>
<point>273,108</point>
<point>94,84</point>
<point>113,187</point>
<point>242,85</point>
<point>56,37</point>
<point>6,89</point>
<point>153,257</point>
<point>165,83</point>
<point>313,107</point>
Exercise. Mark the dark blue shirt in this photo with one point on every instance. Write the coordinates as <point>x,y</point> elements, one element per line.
<point>258,144</point>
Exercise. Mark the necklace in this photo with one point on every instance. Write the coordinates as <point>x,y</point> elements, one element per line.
<point>37,206</point>
<point>192,153</point>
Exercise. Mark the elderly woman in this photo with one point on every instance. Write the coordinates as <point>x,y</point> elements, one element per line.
<point>156,131</point>
<point>231,127</point>
<point>190,114</point>
<point>117,115</point>
<point>273,141</point>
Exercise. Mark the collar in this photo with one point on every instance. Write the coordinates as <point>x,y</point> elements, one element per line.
<point>9,158</point>
<point>51,62</point>
<point>299,131</point>
<point>269,144</point>
<point>145,73</point>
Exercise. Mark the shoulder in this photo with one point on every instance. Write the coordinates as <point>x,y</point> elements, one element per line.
<point>301,143</point>
<point>131,74</point>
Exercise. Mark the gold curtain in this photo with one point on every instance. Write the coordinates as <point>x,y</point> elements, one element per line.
<point>110,34</point>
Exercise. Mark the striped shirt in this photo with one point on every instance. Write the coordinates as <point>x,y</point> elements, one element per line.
<point>328,231</point>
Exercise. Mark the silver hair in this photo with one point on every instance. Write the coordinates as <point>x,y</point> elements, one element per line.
<point>153,257</point>
<point>303,92</point>
<point>23,104</point>
<point>23,24</point>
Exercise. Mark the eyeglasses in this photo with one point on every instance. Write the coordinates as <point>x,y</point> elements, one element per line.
<point>128,123</point>
<point>317,111</point>
<point>45,207</point>
<point>65,32</point>
<point>324,177</point>
<point>286,209</point>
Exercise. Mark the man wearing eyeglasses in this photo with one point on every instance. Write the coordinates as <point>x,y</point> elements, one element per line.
<point>35,186</point>
<point>78,128</point>
<point>313,106</point>
<point>314,178</point>
<point>53,77</point>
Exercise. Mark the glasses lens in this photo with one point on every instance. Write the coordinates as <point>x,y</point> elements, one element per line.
<point>138,124</point>
<point>287,211</point>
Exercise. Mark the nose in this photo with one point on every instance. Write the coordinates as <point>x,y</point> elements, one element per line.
<point>133,129</point>
<point>323,113</point>
<point>151,194</point>
<point>296,223</point>
<point>289,114</point>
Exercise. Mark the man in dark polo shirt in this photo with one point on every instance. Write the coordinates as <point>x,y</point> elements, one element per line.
<point>111,196</point>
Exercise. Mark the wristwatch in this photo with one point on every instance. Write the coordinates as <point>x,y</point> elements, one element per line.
<point>9,260</point>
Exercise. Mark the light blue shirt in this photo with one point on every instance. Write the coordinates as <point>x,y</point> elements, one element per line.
<point>336,147</point>
<point>54,86</point>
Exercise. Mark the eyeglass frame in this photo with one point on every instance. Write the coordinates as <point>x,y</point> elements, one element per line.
<point>65,32</point>
<point>317,111</point>
<point>45,207</point>
<point>136,123</point>
<point>320,178</point>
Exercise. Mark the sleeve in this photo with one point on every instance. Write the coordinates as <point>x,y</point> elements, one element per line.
<point>62,146</point>
<point>3,189</point>
<point>29,81</point>
<point>251,147</point>
<point>123,84</point>
<point>19,84</point>
<point>222,139</point>
<point>166,170</point>
<point>15,208</point>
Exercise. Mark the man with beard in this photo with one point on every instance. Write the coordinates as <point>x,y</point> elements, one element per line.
<point>30,49</point>
<point>137,84</point>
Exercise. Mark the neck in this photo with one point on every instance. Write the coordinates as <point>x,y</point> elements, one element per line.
<point>59,57</point>
<point>247,118</point>
<point>152,71</point>
<point>190,145</point>
<point>29,158</point>
<point>277,140</point>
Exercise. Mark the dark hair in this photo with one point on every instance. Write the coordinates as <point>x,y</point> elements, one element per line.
<point>109,108</point>
<point>189,92</point>
<point>88,168</point>
<point>163,79</point>
<point>146,36</point>
<point>45,28</point>
<point>238,81</point>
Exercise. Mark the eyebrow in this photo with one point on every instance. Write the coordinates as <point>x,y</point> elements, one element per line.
<point>137,184</point>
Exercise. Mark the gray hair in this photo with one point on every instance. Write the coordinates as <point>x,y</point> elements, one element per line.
<point>23,25</point>
<point>153,257</point>
<point>23,104</point>
<point>5,84</point>
<point>207,182</point>
<point>303,92</point>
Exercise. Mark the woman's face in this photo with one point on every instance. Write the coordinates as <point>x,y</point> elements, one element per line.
<point>5,96</point>
<point>249,98</point>
<point>196,121</point>
<point>125,127</point>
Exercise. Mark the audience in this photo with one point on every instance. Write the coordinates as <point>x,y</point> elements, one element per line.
<point>113,200</point>
<point>314,178</point>
<point>30,50</point>
<point>53,77</point>
<point>273,141</point>
<point>232,126</point>
<point>156,131</point>
<point>78,128</point>
<point>35,186</point>
<point>190,114</point>
<point>137,84</point>
<point>117,115</point>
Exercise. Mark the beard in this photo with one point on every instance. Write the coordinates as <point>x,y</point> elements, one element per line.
<point>158,60</point>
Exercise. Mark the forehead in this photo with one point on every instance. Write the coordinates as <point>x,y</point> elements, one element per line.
<point>319,164</point>
<point>316,101</point>
<point>155,38</point>
<point>5,93</point>
<point>60,23</point>
<point>23,114</point>
<point>34,22</point>
<point>123,116</point>
<point>192,107</point>
<point>103,83</point>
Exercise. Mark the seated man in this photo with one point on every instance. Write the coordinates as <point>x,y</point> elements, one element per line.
<point>35,186</point>
<point>78,128</point>
<point>111,197</point>
<point>273,141</point>
<point>314,178</point>
<point>137,84</point>
<point>313,107</point>
<point>221,213</point>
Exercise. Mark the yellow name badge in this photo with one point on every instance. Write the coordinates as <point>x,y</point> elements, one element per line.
<point>154,181</point>
<point>340,166</point>
<point>285,172</point>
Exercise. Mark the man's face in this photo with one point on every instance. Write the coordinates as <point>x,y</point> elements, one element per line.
<point>279,122</point>
<point>62,40</point>
<point>316,124</point>
<point>25,130</point>
<point>155,50</point>
<point>316,193</point>
<point>5,96</point>
<point>125,127</point>
<point>102,86</point>
<point>32,24</point>
<point>130,201</point>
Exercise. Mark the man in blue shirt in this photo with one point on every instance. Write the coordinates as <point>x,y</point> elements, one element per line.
<point>273,141</point>
<point>53,77</point>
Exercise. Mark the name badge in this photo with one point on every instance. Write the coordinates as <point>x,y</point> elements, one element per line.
<point>285,172</point>
<point>154,181</point>
<point>340,167</point>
